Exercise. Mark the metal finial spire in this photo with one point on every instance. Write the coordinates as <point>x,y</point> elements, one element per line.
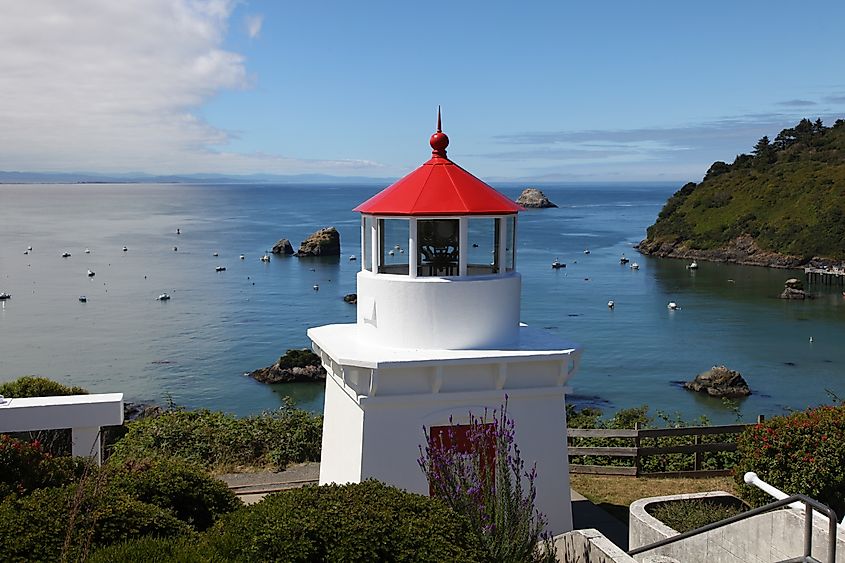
<point>438,119</point>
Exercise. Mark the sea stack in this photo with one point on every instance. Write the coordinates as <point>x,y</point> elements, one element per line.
<point>282,247</point>
<point>532,197</point>
<point>325,242</point>
<point>719,381</point>
<point>794,289</point>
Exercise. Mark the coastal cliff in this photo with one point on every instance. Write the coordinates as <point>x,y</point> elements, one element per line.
<point>782,206</point>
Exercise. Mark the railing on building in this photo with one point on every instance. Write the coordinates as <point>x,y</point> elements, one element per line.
<point>637,451</point>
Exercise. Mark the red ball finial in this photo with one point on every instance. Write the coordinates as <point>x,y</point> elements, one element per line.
<point>439,141</point>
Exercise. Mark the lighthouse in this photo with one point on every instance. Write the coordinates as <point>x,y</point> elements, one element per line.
<point>438,337</point>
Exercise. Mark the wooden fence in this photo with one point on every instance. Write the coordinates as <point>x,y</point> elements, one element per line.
<point>638,452</point>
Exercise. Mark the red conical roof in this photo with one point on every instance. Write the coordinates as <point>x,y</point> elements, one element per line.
<point>439,187</point>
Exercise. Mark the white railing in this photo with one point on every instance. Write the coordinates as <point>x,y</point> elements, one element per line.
<point>751,478</point>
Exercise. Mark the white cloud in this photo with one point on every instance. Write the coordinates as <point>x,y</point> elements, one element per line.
<point>253,25</point>
<point>114,85</point>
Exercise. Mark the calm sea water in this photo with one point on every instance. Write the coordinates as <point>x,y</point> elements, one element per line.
<point>195,348</point>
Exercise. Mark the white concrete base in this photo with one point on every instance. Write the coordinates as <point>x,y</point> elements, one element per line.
<point>378,400</point>
<point>83,414</point>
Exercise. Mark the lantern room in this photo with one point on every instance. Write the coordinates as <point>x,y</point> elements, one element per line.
<point>438,248</point>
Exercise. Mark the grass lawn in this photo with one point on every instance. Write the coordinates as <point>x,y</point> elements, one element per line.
<point>615,494</point>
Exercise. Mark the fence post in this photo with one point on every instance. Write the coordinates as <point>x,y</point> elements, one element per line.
<point>637,462</point>
<point>697,442</point>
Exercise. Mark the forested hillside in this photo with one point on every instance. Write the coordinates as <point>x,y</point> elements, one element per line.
<point>782,205</point>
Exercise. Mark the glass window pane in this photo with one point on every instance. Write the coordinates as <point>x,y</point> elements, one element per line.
<point>393,246</point>
<point>366,261</point>
<point>437,248</point>
<point>510,243</point>
<point>483,255</point>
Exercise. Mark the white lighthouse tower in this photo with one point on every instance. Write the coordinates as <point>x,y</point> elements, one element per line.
<point>438,336</point>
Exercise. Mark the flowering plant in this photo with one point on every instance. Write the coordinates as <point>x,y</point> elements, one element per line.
<point>478,470</point>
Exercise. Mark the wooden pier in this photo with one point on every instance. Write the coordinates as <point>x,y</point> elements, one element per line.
<point>825,276</point>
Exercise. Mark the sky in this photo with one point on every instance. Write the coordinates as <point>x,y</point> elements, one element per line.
<point>530,91</point>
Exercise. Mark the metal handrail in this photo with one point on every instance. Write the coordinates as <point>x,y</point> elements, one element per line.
<point>752,478</point>
<point>809,505</point>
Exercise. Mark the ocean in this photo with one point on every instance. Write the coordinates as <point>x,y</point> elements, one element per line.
<point>194,349</point>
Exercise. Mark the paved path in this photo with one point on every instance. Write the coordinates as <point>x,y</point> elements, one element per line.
<point>252,487</point>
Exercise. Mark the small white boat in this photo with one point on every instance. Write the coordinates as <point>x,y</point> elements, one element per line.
<point>29,248</point>
<point>586,251</point>
<point>316,287</point>
<point>241,256</point>
<point>91,274</point>
<point>396,246</point>
<point>83,299</point>
<point>87,251</point>
<point>220,269</point>
<point>557,264</point>
<point>65,254</point>
<point>352,258</point>
<point>692,265</point>
<point>26,251</point>
<point>215,254</point>
<point>125,249</point>
<point>611,304</point>
<point>623,260</point>
<point>4,295</point>
<point>672,305</point>
<point>391,253</point>
<point>265,258</point>
<point>163,297</point>
<point>635,266</point>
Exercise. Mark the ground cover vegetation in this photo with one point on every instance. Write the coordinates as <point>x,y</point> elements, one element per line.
<point>689,514</point>
<point>590,417</point>
<point>788,195</point>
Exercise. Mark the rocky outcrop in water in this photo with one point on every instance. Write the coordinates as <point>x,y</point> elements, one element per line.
<point>325,242</point>
<point>532,197</point>
<point>794,289</point>
<point>719,381</point>
<point>351,298</point>
<point>283,247</point>
<point>295,366</point>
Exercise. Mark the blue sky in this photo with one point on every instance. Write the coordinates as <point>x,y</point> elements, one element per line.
<point>557,91</point>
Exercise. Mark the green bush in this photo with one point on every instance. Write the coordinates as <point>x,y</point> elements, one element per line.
<point>221,442</point>
<point>189,492</point>
<point>32,386</point>
<point>25,466</point>
<point>802,453</point>
<point>368,521</point>
<point>157,550</point>
<point>689,514</point>
<point>54,523</point>
<point>299,359</point>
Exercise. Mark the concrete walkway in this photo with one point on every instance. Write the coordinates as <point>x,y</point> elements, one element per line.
<point>252,487</point>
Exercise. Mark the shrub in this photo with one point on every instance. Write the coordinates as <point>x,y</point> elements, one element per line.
<point>802,453</point>
<point>485,481</point>
<point>24,466</point>
<point>689,514</point>
<point>156,550</point>
<point>367,521</point>
<point>299,359</point>
<point>54,523</point>
<point>32,386</point>
<point>188,492</point>
<point>220,441</point>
